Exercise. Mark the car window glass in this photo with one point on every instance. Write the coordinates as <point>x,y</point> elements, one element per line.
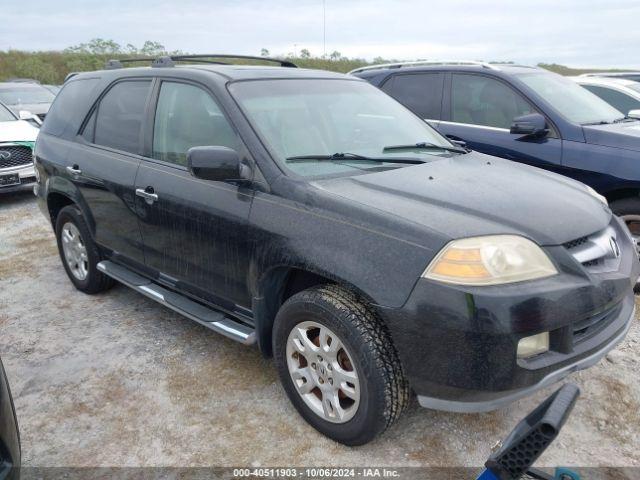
<point>120,115</point>
<point>70,106</point>
<point>480,100</point>
<point>187,116</point>
<point>6,115</point>
<point>616,99</point>
<point>89,128</point>
<point>421,93</point>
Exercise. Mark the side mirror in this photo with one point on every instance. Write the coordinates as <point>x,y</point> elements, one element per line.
<point>29,117</point>
<point>533,124</point>
<point>634,114</point>
<point>216,163</point>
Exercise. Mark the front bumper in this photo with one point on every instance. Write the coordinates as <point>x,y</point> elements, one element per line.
<point>27,176</point>
<point>458,345</point>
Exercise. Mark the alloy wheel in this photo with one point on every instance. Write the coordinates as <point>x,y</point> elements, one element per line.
<point>323,372</point>
<point>75,251</point>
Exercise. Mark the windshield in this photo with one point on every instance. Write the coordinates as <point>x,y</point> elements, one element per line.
<point>309,118</point>
<point>25,94</point>
<point>572,101</point>
<point>6,115</point>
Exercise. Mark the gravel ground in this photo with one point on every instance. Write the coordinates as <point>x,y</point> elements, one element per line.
<point>116,379</point>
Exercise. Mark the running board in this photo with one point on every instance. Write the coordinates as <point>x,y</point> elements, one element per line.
<point>206,316</point>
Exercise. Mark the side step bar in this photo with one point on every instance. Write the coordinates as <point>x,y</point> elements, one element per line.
<point>206,316</point>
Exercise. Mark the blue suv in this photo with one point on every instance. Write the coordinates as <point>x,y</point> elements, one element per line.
<point>528,115</point>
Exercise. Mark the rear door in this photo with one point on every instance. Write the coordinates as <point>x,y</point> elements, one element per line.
<point>419,92</point>
<point>103,165</point>
<point>195,231</point>
<point>480,110</point>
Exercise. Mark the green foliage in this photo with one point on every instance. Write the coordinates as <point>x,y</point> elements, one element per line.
<point>53,66</point>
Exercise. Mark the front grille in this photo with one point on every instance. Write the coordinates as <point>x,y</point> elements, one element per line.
<point>598,252</point>
<point>15,155</point>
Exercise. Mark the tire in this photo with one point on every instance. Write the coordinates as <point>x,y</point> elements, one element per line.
<point>629,210</point>
<point>71,223</point>
<point>382,390</point>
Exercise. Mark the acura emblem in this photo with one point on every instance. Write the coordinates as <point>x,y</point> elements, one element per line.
<point>5,155</point>
<point>615,249</point>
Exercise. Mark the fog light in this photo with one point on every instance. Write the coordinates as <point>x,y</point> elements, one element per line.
<point>533,345</point>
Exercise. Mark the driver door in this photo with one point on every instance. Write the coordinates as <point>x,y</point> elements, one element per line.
<point>194,231</point>
<point>480,110</point>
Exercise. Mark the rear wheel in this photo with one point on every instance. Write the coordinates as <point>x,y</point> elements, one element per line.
<point>338,365</point>
<point>79,253</point>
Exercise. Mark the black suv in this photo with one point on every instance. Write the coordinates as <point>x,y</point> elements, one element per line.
<point>312,214</point>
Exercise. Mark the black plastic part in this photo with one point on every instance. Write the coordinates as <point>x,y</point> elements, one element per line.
<point>283,63</point>
<point>163,62</point>
<point>530,438</point>
<point>169,60</point>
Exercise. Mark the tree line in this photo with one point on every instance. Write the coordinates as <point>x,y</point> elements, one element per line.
<point>51,67</point>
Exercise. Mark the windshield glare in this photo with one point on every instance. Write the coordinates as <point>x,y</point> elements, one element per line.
<point>575,103</point>
<point>323,117</point>
<point>24,95</point>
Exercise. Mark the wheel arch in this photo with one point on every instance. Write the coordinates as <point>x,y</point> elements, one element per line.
<point>281,283</point>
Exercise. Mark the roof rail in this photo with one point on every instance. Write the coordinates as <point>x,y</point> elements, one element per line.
<point>169,60</point>
<point>424,62</point>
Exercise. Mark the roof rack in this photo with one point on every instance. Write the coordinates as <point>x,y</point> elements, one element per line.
<point>424,62</point>
<point>169,60</point>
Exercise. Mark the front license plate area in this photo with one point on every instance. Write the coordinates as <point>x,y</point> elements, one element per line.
<point>11,179</point>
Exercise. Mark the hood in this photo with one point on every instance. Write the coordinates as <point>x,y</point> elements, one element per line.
<point>476,194</point>
<point>618,135</point>
<point>17,131</point>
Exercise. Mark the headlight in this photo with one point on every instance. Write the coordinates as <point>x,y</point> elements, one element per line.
<point>490,260</point>
<point>595,194</point>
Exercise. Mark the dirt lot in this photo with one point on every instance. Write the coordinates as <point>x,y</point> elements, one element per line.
<point>116,379</point>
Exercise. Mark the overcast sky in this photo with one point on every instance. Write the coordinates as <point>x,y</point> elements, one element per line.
<point>583,33</point>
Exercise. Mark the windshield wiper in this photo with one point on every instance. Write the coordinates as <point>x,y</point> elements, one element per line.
<point>423,146</point>
<point>336,157</point>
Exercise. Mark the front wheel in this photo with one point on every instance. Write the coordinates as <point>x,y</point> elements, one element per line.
<point>628,209</point>
<point>338,365</point>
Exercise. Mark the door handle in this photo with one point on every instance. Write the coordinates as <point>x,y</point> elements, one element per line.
<point>75,170</point>
<point>148,195</point>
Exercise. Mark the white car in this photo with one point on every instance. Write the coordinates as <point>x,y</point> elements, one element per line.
<point>17,139</point>
<point>621,93</point>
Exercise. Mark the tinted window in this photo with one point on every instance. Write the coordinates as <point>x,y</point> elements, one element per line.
<point>120,114</point>
<point>187,116</point>
<point>480,100</point>
<point>89,128</point>
<point>70,106</point>
<point>616,99</point>
<point>421,93</point>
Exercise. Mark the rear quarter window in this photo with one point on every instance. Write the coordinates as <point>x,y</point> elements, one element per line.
<point>69,107</point>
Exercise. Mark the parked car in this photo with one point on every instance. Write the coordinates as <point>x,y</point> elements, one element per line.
<point>635,76</point>
<point>9,434</point>
<point>621,94</point>
<point>528,115</point>
<point>28,96</point>
<point>53,88</point>
<point>17,138</point>
<point>309,213</point>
